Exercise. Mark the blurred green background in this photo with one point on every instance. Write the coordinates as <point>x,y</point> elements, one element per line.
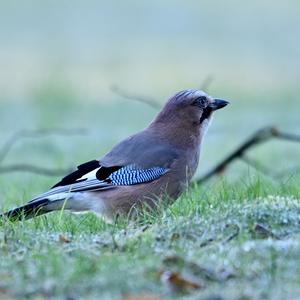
<point>58,62</point>
<point>59,59</point>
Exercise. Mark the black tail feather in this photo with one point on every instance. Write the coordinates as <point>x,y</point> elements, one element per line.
<point>27,211</point>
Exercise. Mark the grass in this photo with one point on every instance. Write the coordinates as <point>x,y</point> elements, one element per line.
<point>214,229</point>
<point>232,238</point>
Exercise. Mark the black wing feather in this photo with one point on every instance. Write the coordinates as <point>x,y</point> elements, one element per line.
<point>81,171</point>
<point>102,174</point>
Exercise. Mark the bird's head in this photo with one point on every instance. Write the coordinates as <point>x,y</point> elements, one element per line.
<point>191,108</point>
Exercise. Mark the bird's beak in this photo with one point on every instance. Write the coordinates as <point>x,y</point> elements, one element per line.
<point>217,104</point>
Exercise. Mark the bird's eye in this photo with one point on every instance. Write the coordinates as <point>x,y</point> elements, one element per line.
<point>200,102</point>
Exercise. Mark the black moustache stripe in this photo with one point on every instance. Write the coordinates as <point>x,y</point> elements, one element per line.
<point>206,114</point>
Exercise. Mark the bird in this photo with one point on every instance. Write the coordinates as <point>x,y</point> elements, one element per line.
<point>152,166</point>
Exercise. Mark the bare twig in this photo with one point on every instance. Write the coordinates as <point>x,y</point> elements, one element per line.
<point>35,134</point>
<point>151,102</point>
<point>207,83</point>
<point>33,169</point>
<point>39,133</point>
<point>261,136</point>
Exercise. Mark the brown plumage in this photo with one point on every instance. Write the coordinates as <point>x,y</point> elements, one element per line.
<point>152,165</point>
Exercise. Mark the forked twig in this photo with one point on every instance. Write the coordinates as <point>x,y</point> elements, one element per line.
<point>261,136</point>
<point>36,134</point>
<point>39,133</point>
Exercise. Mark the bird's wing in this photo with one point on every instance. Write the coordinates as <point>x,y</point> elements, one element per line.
<point>143,149</point>
<point>138,159</point>
<point>92,176</point>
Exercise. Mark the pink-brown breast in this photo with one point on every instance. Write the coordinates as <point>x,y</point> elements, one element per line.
<point>167,188</point>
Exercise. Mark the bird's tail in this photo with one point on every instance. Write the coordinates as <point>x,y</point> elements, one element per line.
<point>32,209</point>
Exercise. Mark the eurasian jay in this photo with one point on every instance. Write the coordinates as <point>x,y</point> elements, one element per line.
<point>153,165</point>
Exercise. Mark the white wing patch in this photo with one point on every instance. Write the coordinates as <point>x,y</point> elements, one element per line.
<point>127,175</point>
<point>89,176</point>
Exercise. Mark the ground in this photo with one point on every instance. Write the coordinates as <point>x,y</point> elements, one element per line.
<point>234,237</point>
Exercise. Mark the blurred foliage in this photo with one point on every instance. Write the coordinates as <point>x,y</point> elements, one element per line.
<point>251,48</point>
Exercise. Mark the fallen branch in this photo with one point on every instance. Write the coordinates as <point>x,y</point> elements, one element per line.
<point>36,134</point>
<point>261,136</point>
<point>39,133</point>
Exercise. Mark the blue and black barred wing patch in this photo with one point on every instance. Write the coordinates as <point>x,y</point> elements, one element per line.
<point>131,174</point>
<point>92,176</point>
